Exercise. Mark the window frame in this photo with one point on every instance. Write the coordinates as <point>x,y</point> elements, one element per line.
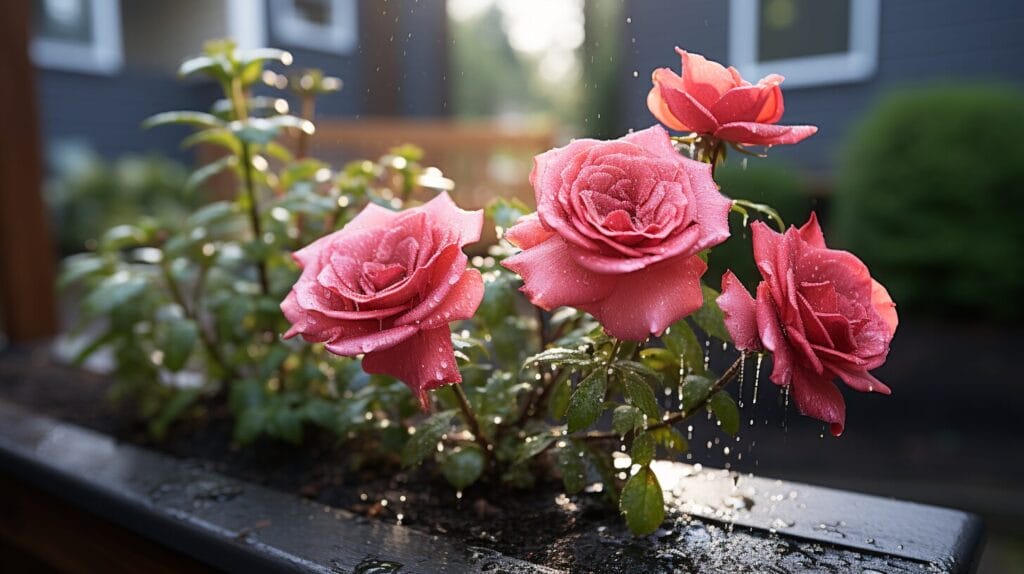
<point>856,64</point>
<point>103,55</point>
<point>336,37</point>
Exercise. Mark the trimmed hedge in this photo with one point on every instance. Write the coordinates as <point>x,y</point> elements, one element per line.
<point>773,184</point>
<point>930,194</point>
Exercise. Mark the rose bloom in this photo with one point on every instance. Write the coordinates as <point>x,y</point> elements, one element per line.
<point>819,312</point>
<point>617,230</point>
<point>386,285</point>
<point>715,101</point>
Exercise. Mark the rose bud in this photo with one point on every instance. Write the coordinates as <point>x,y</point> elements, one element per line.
<point>715,101</point>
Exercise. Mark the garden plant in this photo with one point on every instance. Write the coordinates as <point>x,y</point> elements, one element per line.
<point>358,301</point>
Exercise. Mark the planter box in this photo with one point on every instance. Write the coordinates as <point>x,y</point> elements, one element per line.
<point>726,522</point>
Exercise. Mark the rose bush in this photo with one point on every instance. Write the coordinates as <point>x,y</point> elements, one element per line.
<point>617,231</point>
<point>820,314</point>
<point>387,285</point>
<point>715,101</point>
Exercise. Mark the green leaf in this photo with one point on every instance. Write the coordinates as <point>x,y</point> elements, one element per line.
<point>726,411</point>
<point>463,466</point>
<point>114,291</point>
<point>504,212</point>
<point>695,391</point>
<point>424,441</point>
<point>533,445</point>
<point>643,448</point>
<point>214,136</point>
<point>642,502</point>
<point>560,356</point>
<point>180,339</point>
<point>587,400</point>
<point>642,396</point>
<point>681,340</point>
<point>78,267</point>
<point>263,54</point>
<point>626,419</point>
<point>670,438</point>
<point>660,359</point>
<point>172,410</point>
<point>572,468</point>
<point>217,67</point>
<point>249,425</point>
<point>709,316</point>
<point>200,119</point>
<point>558,402</point>
<point>286,424</point>
<point>201,175</point>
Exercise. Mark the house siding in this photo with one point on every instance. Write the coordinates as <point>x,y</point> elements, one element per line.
<point>921,42</point>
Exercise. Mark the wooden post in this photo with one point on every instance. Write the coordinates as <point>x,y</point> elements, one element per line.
<point>27,305</point>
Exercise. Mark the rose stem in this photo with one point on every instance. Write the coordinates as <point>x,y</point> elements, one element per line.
<point>474,425</point>
<point>674,418</point>
<point>254,213</point>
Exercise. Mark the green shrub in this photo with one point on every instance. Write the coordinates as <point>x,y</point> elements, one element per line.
<point>929,195</point>
<point>776,185</point>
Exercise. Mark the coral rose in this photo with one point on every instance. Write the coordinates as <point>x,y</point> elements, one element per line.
<point>819,312</point>
<point>386,286</point>
<point>617,231</point>
<point>715,101</point>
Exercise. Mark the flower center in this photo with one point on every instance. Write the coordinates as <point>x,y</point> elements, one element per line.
<point>379,276</point>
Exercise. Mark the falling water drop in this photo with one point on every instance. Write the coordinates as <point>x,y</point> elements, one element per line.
<point>757,375</point>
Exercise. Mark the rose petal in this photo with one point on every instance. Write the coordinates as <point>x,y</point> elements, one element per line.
<point>367,337</point>
<point>811,233</point>
<point>527,232</point>
<point>739,312</point>
<point>460,303</point>
<point>424,361</point>
<point>660,110</point>
<point>884,305</point>
<point>552,278</point>
<point>707,80</point>
<point>648,301</point>
<point>817,397</point>
<point>468,223</point>
<point>743,104</point>
<point>751,133</point>
<point>685,108</point>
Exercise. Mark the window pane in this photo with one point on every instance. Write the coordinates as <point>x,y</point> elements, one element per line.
<point>315,11</point>
<point>63,20</point>
<point>797,28</point>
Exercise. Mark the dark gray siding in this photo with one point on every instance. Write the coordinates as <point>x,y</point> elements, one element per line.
<point>920,42</point>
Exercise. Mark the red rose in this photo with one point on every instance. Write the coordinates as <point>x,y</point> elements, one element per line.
<point>386,286</point>
<point>712,100</point>
<point>819,312</point>
<point>617,231</point>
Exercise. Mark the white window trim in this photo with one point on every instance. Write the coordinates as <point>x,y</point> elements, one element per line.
<point>246,23</point>
<point>104,55</point>
<point>857,64</point>
<point>340,36</point>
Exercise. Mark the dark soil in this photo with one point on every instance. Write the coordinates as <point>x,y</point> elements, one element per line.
<point>580,534</point>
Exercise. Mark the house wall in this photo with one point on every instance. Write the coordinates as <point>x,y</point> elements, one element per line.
<point>920,42</point>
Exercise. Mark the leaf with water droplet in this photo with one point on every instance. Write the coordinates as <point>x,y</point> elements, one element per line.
<point>709,317</point>
<point>642,502</point>
<point>572,467</point>
<point>642,395</point>
<point>670,438</point>
<point>533,445</point>
<point>626,418</point>
<point>681,340</point>
<point>726,411</point>
<point>424,441</point>
<point>587,402</point>
<point>463,466</point>
<point>559,401</point>
<point>643,448</point>
<point>695,391</point>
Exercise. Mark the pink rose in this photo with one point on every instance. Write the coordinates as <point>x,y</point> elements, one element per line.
<point>716,101</point>
<point>617,231</point>
<point>386,286</point>
<point>819,312</point>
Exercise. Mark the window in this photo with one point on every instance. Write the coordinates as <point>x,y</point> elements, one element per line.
<point>327,25</point>
<point>810,42</point>
<point>77,35</point>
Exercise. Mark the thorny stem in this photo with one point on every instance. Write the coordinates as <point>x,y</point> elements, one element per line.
<point>474,424</point>
<point>680,416</point>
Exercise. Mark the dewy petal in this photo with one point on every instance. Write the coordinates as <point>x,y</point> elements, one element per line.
<point>648,301</point>
<point>528,231</point>
<point>817,397</point>
<point>689,111</point>
<point>860,379</point>
<point>660,110</point>
<point>773,107</point>
<point>739,312</point>
<point>742,104</point>
<point>424,361</point>
<point>770,331</point>
<point>552,278</point>
<point>751,133</point>
<point>811,232</point>
<point>467,223</point>
<point>707,80</point>
<point>884,305</point>
<point>370,338</point>
<point>461,303</point>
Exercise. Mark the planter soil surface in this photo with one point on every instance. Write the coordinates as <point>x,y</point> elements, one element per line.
<point>539,525</point>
